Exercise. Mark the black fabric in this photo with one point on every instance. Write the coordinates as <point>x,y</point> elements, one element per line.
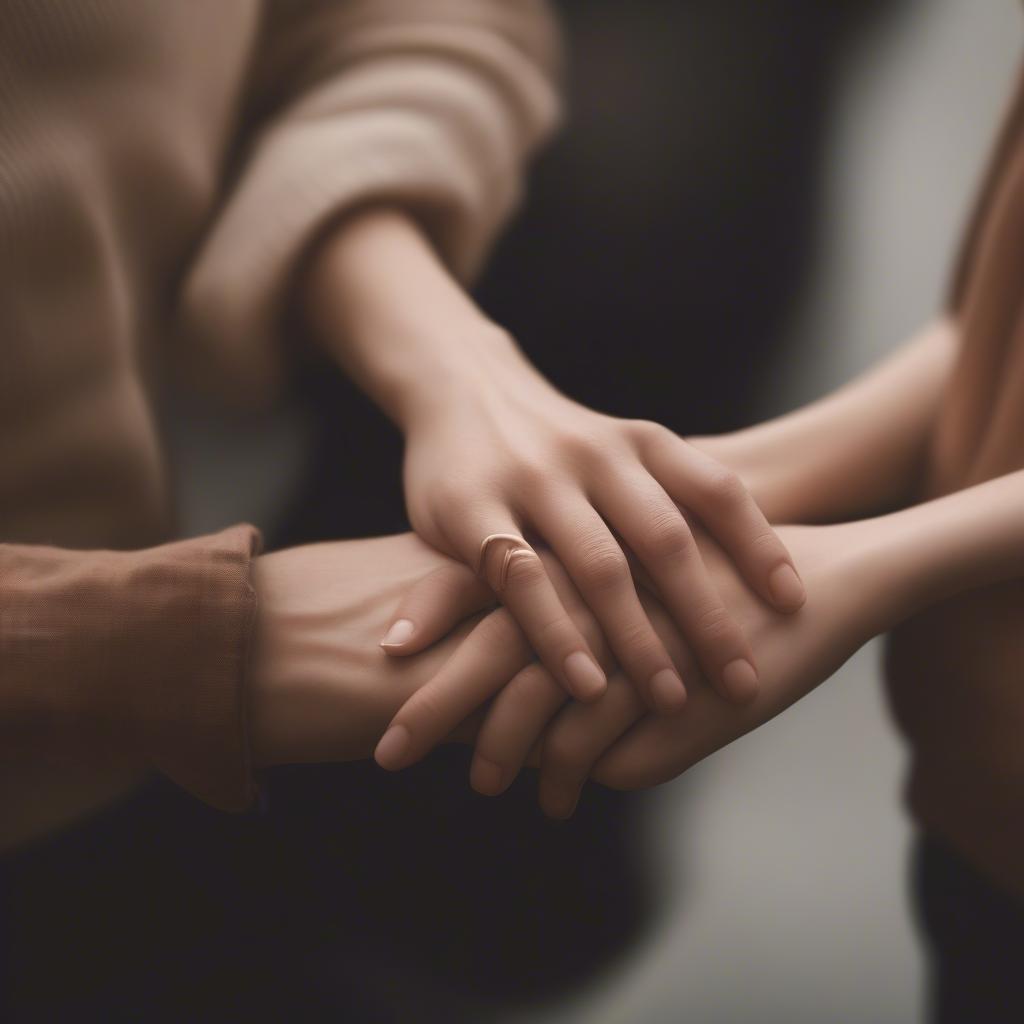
<point>354,893</point>
<point>974,932</point>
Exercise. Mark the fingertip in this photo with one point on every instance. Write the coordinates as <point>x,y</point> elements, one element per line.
<point>558,800</point>
<point>486,777</point>
<point>668,694</point>
<point>392,752</point>
<point>740,682</point>
<point>786,588</point>
<point>585,677</point>
<point>400,632</point>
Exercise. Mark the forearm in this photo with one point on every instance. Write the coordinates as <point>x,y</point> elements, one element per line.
<point>971,538</point>
<point>384,306</point>
<point>859,451</point>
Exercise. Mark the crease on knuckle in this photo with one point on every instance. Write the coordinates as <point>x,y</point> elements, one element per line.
<point>724,489</point>
<point>715,623</point>
<point>765,543</point>
<point>556,633</point>
<point>639,642</point>
<point>667,538</point>
<point>525,570</point>
<point>603,567</point>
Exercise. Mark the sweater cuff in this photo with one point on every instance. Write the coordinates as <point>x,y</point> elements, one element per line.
<point>139,654</point>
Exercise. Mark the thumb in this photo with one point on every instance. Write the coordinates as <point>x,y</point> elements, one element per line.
<point>433,606</point>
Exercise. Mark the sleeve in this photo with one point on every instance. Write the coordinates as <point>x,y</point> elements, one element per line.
<point>432,105</point>
<point>141,653</point>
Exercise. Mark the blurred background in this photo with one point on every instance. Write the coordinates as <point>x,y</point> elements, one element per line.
<point>750,203</point>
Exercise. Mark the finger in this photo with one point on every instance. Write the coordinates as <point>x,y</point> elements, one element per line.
<point>719,498</point>
<point>598,567</point>
<point>518,716</point>
<point>651,524</point>
<point>515,719</point>
<point>492,654</point>
<point>648,755</point>
<point>433,606</point>
<point>576,741</point>
<point>517,575</point>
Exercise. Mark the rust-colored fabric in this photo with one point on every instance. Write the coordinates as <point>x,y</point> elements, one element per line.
<point>163,168</point>
<point>132,657</point>
<point>956,672</point>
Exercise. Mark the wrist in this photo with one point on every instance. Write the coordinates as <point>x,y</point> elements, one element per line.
<point>384,306</point>
<point>471,368</point>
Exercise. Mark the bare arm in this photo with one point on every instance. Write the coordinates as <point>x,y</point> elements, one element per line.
<point>859,451</point>
<point>863,578</point>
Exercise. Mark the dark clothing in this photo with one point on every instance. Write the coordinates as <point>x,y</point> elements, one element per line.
<point>974,932</point>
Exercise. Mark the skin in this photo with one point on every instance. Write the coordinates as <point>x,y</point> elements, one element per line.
<point>862,577</point>
<point>492,448</point>
<point>320,687</point>
<point>869,447</point>
<point>856,452</point>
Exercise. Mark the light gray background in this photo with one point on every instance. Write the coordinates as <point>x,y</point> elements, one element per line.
<point>784,855</point>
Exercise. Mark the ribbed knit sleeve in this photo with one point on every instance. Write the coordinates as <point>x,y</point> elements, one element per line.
<point>431,105</point>
<point>135,655</point>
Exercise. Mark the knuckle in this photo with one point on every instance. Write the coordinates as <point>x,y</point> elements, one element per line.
<point>525,570</point>
<point>581,449</point>
<point>765,543</point>
<point>715,623</point>
<point>603,566</point>
<point>449,493</point>
<point>723,488</point>
<point>530,475</point>
<point>649,432</point>
<point>667,538</point>
<point>639,642</point>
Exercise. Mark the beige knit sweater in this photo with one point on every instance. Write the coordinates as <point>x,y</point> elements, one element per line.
<point>163,168</point>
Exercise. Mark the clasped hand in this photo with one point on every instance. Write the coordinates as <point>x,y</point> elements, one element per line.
<point>492,685</point>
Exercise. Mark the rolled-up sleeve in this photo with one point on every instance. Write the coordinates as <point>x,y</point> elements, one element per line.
<point>431,105</point>
<point>137,654</point>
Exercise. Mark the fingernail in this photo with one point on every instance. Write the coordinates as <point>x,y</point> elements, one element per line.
<point>585,677</point>
<point>399,632</point>
<point>485,776</point>
<point>667,691</point>
<point>786,588</point>
<point>739,680</point>
<point>392,748</point>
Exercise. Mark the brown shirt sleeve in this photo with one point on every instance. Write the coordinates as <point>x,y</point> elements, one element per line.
<point>141,654</point>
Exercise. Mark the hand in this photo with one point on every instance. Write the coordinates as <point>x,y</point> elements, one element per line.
<point>520,459</point>
<point>320,687</point>
<point>851,577</point>
<point>493,451</point>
